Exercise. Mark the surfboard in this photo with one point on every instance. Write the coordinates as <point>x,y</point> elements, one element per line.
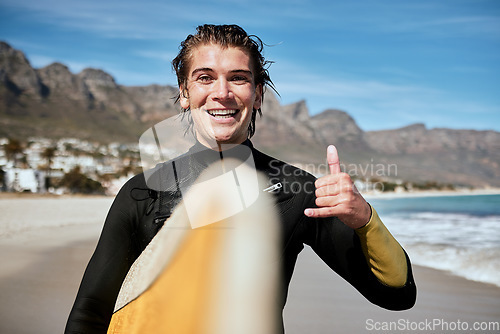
<point>201,274</point>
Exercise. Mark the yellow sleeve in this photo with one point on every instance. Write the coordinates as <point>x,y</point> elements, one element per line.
<point>383,253</point>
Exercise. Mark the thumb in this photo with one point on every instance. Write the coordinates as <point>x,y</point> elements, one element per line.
<point>332,157</point>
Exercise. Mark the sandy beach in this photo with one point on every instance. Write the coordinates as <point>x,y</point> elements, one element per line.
<point>42,268</point>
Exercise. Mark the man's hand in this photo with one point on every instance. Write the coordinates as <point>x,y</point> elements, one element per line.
<point>337,196</point>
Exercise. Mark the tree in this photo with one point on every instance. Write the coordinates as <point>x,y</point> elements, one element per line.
<point>13,150</point>
<point>49,154</point>
<point>76,182</point>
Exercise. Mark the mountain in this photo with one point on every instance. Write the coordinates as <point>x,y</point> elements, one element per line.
<point>453,156</point>
<point>53,102</point>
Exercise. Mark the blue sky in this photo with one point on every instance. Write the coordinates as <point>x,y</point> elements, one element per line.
<point>387,63</point>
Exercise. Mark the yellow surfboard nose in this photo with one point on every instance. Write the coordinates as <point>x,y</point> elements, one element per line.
<point>218,278</point>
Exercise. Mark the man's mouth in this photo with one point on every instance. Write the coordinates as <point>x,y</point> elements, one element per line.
<point>223,113</point>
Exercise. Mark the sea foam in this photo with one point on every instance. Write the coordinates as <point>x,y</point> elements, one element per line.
<point>458,238</point>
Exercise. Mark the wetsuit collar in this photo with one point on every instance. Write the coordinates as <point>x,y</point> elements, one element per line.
<point>206,156</point>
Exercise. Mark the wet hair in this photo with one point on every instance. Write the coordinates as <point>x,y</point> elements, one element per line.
<point>225,36</point>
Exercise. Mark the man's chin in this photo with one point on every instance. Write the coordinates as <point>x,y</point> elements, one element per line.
<point>227,138</point>
<point>225,143</point>
<point>215,140</point>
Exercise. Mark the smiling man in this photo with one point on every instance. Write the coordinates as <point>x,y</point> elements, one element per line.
<point>222,77</point>
<point>221,93</point>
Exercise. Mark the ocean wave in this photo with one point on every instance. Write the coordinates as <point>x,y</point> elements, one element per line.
<point>474,264</point>
<point>457,230</point>
<point>463,244</point>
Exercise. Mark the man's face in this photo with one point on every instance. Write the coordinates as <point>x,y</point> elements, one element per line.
<point>221,94</point>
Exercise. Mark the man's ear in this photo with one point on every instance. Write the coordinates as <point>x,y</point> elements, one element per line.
<point>183,98</point>
<point>258,97</point>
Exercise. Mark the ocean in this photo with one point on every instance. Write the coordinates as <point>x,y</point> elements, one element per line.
<point>457,233</point>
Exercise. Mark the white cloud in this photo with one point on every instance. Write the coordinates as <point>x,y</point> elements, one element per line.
<point>150,54</point>
<point>378,104</point>
<point>115,19</point>
<point>122,76</point>
<point>293,79</point>
<point>38,61</point>
<point>130,19</point>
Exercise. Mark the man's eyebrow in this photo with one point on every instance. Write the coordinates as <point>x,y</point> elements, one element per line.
<point>208,69</point>
<point>242,71</point>
<point>201,69</point>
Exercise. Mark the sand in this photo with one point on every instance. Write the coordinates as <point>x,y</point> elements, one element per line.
<point>321,302</point>
<point>42,268</point>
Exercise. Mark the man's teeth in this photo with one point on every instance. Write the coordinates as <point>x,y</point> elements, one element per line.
<point>222,113</point>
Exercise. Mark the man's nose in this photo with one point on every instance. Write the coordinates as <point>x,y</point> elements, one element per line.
<point>222,90</point>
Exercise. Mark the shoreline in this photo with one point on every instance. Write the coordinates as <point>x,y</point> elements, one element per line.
<point>431,193</point>
<point>27,195</point>
<point>30,213</point>
<point>370,194</point>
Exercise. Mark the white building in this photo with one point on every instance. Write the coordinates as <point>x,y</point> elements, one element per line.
<point>18,179</point>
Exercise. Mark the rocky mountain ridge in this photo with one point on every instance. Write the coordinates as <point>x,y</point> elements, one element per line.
<point>53,102</point>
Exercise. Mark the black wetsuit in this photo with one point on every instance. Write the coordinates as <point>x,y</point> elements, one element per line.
<point>138,212</point>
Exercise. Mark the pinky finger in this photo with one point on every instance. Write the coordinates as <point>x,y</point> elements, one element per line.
<point>320,212</point>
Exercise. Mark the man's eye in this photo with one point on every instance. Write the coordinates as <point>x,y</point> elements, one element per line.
<point>204,78</point>
<point>240,78</point>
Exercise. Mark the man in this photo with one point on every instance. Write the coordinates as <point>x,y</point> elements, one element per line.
<point>222,77</point>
